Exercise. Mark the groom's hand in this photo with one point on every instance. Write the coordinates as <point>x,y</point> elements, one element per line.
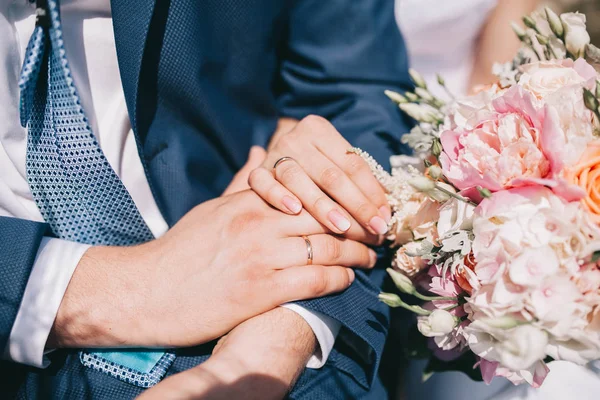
<point>309,167</point>
<point>259,359</point>
<point>226,261</point>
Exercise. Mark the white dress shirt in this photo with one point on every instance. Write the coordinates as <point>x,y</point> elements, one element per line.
<point>90,47</point>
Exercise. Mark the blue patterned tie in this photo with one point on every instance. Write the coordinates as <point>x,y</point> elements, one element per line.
<point>78,193</point>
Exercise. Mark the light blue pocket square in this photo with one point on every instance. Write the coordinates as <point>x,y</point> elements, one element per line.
<point>139,367</point>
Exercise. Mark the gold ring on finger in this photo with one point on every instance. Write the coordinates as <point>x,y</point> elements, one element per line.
<point>309,250</point>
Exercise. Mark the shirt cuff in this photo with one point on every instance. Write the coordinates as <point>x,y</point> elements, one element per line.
<point>326,330</point>
<point>52,270</point>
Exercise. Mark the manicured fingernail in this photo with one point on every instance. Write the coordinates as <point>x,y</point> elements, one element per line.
<point>338,219</point>
<point>291,204</point>
<point>378,225</point>
<point>372,257</point>
<point>386,213</point>
<point>351,275</point>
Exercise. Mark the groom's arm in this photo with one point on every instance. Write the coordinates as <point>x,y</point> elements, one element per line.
<point>339,58</point>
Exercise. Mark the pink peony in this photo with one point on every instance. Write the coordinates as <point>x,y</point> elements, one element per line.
<point>505,145</point>
<point>528,135</point>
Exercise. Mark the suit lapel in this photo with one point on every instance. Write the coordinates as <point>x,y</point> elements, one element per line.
<point>131,20</point>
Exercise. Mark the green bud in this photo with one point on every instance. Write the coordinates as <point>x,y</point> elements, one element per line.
<point>543,40</point>
<point>521,34</point>
<point>402,282</point>
<point>413,98</point>
<point>530,23</point>
<point>485,193</point>
<point>391,299</point>
<point>592,53</point>
<point>395,97</point>
<point>441,80</point>
<point>436,148</point>
<point>422,184</point>
<point>590,101</point>
<point>435,172</point>
<point>424,94</point>
<point>555,23</point>
<point>417,112</point>
<point>417,79</point>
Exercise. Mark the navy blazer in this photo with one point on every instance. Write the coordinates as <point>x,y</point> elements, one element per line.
<point>205,80</point>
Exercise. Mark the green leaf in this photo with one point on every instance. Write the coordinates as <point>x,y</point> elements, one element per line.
<point>463,364</point>
<point>596,256</point>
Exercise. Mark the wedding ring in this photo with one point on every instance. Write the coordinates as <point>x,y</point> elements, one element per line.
<point>281,160</point>
<point>309,250</point>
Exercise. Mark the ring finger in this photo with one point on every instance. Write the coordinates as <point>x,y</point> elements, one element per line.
<point>330,250</point>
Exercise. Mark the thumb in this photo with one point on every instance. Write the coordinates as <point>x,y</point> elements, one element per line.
<point>239,182</point>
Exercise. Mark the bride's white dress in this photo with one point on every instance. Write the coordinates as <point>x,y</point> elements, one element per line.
<point>441,37</point>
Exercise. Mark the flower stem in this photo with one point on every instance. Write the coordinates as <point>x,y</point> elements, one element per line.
<point>432,298</point>
<point>455,195</point>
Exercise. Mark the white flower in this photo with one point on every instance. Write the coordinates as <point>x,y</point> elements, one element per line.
<point>438,323</point>
<point>516,349</point>
<point>576,34</point>
<point>523,347</point>
<point>455,215</point>
<point>546,77</point>
<point>533,265</point>
<point>576,351</point>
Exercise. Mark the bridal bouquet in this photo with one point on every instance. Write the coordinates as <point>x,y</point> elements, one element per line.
<point>497,215</point>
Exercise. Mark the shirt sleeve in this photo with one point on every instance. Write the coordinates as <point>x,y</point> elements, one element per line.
<point>325,329</point>
<point>53,268</point>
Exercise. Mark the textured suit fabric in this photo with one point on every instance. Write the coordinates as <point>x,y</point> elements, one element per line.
<point>205,80</point>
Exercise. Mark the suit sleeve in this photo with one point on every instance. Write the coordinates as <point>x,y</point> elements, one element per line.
<point>19,243</point>
<point>339,57</point>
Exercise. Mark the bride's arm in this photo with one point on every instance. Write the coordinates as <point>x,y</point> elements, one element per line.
<point>497,42</point>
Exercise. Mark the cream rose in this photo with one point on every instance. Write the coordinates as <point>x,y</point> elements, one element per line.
<point>438,323</point>
<point>576,34</point>
<point>405,262</point>
<point>546,77</point>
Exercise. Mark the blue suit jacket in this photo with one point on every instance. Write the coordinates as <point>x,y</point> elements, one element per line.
<point>204,80</point>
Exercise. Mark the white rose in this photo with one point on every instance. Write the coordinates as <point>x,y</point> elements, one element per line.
<point>455,215</point>
<point>523,347</point>
<point>571,119</point>
<point>438,323</point>
<point>516,349</point>
<point>576,34</point>
<point>546,77</point>
<point>575,351</point>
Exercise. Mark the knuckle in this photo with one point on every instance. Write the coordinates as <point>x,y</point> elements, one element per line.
<point>333,249</point>
<point>273,193</point>
<point>315,123</point>
<point>247,221</point>
<point>365,211</point>
<point>331,177</point>
<point>321,203</point>
<point>355,165</point>
<point>255,177</point>
<point>288,172</point>
<point>318,282</point>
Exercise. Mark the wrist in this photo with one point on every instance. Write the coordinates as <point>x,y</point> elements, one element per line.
<point>96,310</point>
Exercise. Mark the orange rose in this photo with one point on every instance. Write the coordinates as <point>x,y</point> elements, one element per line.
<point>586,174</point>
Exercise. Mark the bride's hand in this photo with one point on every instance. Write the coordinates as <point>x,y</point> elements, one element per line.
<point>315,171</point>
